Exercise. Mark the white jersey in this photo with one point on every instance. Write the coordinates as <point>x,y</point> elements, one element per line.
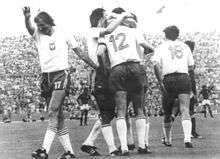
<point>174,57</point>
<point>121,45</point>
<point>53,51</point>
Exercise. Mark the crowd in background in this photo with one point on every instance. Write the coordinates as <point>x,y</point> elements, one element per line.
<point>20,72</point>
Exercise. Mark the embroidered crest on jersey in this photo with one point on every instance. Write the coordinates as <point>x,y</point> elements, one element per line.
<point>52,46</point>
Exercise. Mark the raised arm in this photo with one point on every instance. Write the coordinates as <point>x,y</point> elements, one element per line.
<point>114,24</point>
<point>27,16</point>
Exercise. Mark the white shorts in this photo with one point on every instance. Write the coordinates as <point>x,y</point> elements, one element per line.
<point>85,107</point>
<point>206,102</point>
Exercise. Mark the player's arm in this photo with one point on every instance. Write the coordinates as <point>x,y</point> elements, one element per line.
<point>158,75</point>
<point>147,48</point>
<point>114,24</point>
<point>83,55</point>
<point>27,16</point>
<point>103,59</point>
<point>192,77</point>
<point>158,72</point>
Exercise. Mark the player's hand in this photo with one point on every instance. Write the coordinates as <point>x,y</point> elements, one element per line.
<point>163,89</point>
<point>26,11</point>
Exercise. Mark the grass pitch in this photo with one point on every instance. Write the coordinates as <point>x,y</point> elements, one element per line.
<point>18,140</point>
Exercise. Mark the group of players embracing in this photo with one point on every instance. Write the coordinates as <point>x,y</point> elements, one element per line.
<point>116,51</point>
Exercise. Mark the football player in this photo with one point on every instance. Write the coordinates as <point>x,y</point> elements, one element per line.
<point>172,62</point>
<point>53,54</point>
<point>126,77</point>
<point>205,92</point>
<point>101,93</point>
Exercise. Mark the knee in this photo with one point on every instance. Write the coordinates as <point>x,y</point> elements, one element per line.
<point>185,114</point>
<point>53,112</point>
<point>140,113</point>
<point>106,118</point>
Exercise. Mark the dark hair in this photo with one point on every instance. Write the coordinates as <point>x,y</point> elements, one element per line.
<point>171,32</point>
<point>45,17</point>
<point>118,10</point>
<point>96,15</point>
<point>134,17</point>
<point>191,44</point>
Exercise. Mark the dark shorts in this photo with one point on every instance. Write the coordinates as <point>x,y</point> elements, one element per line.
<point>104,98</point>
<point>145,78</point>
<point>59,80</point>
<point>129,77</point>
<point>175,84</point>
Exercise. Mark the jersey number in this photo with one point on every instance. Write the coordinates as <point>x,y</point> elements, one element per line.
<point>118,41</point>
<point>176,52</point>
<point>57,84</point>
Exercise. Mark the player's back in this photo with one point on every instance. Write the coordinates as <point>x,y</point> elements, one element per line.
<point>175,57</point>
<point>121,45</point>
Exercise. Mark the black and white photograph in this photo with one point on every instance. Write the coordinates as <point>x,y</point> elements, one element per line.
<point>110,79</point>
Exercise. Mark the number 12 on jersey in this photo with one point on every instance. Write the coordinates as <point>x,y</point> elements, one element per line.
<point>118,41</point>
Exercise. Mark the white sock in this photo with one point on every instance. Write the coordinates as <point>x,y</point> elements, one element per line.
<point>141,131</point>
<point>167,131</point>
<point>63,136</point>
<point>96,129</point>
<point>48,139</point>
<point>147,133</point>
<point>187,128</point>
<point>130,132</point>
<point>109,138</point>
<point>122,132</point>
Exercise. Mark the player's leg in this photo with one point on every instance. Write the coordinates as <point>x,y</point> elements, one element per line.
<point>130,135</point>
<point>194,134</point>
<point>61,82</point>
<point>140,118</point>
<point>107,131</point>
<point>86,117</point>
<point>51,131</point>
<point>210,110</point>
<point>121,104</point>
<point>88,144</point>
<point>117,87</point>
<point>184,100</point>
<point>138,96</point>
<point>204,110</point>
<point>107,113</point>
<point>167,103</point>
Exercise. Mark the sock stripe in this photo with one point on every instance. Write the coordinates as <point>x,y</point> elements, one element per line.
<point>63,131</point>
<point>105,125</point>
<point>137,118</point>
<point>120,118</point>
<point>52,127</point>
